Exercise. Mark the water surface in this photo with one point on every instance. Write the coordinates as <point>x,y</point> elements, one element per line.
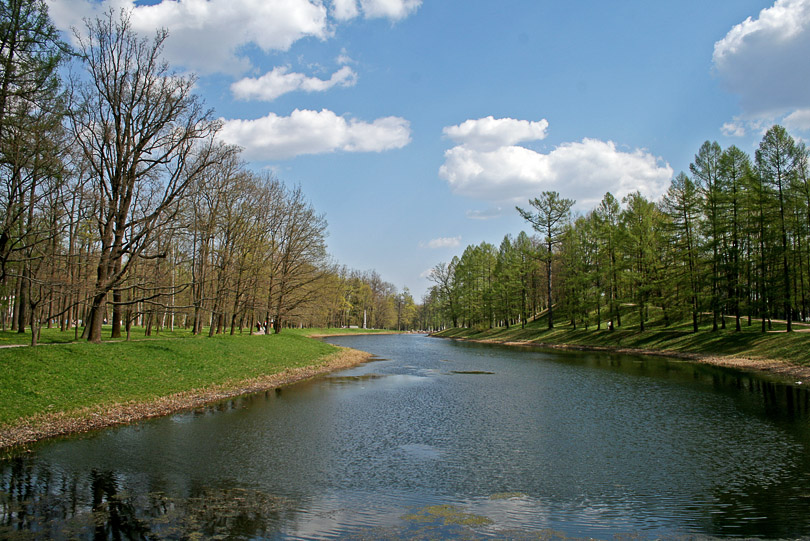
<point>442,439</point>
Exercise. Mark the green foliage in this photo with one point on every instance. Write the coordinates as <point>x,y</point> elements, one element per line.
<point>731,244</point>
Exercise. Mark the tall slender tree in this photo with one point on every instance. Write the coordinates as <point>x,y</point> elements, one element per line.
<point>552,213</point>
<point>775,158</point>
<point>706,173</point>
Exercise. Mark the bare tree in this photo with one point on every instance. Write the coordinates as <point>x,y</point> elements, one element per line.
<point>145,136</point>
<point>298,257</point>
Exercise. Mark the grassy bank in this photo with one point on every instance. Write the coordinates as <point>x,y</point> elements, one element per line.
<point>69,381</point>
<point>750,343</point>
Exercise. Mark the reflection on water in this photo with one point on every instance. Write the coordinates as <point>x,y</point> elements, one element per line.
<point>508,443</point>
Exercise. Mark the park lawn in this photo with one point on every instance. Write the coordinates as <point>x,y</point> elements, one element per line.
<point>749,343</point>
<point>66,377</point>
<point>55,336</point>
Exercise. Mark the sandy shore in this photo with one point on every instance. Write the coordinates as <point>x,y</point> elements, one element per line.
<point>59,424</point>
<point>776,367</point>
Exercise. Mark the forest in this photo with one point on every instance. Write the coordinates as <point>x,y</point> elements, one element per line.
<point>121,207</point>
<point>728,243</point>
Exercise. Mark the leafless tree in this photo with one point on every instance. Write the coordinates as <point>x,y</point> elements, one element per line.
<point>145,136</point>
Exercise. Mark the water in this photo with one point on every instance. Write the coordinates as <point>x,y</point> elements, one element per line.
<point>442,439</point>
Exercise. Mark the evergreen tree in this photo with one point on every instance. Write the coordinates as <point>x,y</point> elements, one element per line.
<point>776,160</point>
<point>706,173</point>
<point>553,212</point>
<point>680,203</point>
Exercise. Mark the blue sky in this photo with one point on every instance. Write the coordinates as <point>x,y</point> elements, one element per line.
<point>416,126</point>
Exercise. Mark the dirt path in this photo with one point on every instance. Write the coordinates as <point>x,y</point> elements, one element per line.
<point>59,424</point>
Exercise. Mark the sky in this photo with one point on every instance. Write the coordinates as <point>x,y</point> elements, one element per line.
<point>417,126</point>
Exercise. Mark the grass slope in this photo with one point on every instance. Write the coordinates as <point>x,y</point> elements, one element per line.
<point>749,343</point>
<point>65,377</point>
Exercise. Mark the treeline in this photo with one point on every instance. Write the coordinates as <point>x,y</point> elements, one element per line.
<point>119,205</point>
<point>728,241</point>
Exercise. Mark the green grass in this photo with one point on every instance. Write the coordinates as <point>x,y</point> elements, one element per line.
<point>55,336</point>
<point>72,376</point>
<point>748,343</point>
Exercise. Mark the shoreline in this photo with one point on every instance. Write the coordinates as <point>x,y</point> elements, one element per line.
<point>44,426</point>
<point>775,367</point>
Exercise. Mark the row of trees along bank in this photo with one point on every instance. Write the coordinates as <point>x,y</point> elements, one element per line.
<point>119,204</point>
<point>729,240</point>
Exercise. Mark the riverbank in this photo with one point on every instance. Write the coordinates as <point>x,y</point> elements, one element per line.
<point>70,388</point>
<point>778,353</point>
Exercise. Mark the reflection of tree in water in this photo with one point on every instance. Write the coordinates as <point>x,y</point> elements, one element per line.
<point>114,517</point>
<point>35,504</point>
<point>232,513</point>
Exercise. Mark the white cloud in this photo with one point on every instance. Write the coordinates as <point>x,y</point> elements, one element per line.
<point>207,36</point>
<point>583,171</point>
<point>391,9</point>
<point>489,133</point>
<point>444,242</point>
<point>372,9</point>
<point>764,60</point>
<point>734,129</point>
<point>343,10</point>
<point>494,212</point>
<point>276,137</point>
<point>343,58</point>
<point>280,81</point>
<point>798,120</point>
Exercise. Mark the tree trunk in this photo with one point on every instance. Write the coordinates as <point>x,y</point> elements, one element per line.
<point>92,329</point>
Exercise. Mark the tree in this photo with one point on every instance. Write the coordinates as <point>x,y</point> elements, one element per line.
<point>299,253</point>
<point>553,212</point>
<point>735,169</point>
<point>607,231</point>
<point>680,203</point>
<point>776,162</point>
<point>801,187</point>
<point>30,107</point>
<point>641,222</point>
<point>145,137</point>
<point>507,283</point>
<point>443,275</point>
<point>706,172</point>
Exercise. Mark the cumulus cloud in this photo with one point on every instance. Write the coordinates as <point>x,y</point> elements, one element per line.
<point>207,36</point>
<point>372,9</point>
<point>764,59</point>
<point>444,242</point>
<point>581,170</point>
<point>280,81</point>
<point>274,137</point>
<point>490,133</point>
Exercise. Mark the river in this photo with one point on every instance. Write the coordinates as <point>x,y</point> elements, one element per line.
<point>436,439</point>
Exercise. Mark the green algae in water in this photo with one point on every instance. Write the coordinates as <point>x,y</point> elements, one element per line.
<point>354,379</point>
<point>448,515</point>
